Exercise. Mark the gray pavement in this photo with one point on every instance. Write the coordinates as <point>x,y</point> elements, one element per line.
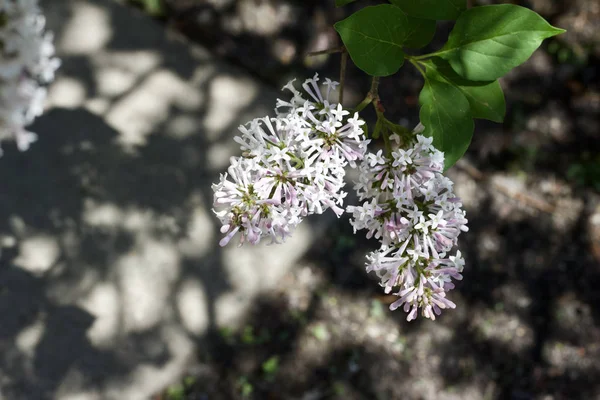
<point>111,276</point>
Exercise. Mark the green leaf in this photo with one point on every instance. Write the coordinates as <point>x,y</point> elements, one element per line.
<point>489,41</point>
<point>374,37</point>
<point>446,117</point>
<point>432,9</point>
<point>486,99</point>
<point>340,3</point>
<point>419,32</point>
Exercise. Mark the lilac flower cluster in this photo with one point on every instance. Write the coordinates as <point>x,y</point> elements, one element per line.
<point>412,209</point>
<point>292,166</point>
<point>26,63</point>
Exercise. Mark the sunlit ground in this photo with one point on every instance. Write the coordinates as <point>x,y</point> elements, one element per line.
<point>113,286</point>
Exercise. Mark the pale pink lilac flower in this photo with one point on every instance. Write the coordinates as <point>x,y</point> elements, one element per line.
<point>411,208</point>
<point>291,166</point>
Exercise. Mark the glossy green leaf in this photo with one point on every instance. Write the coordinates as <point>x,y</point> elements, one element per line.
<point>419,32</point>
<point>486,99</point>
<point>374,37</point>
<point>445,113</point>
<point>432,9</point>
<point>489,41</point>
<point>340,3</point>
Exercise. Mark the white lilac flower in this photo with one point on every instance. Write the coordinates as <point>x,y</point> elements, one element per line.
<point>291,166</point>
<point>27,63</point>
<point>244,207</point>
<point>411,208</point>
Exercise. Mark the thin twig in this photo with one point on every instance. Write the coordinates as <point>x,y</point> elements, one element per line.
<point>375,94</point>
<point>343,75</point>
<point>370,97</point>
<point>520,196</point>
<point>525,198</point>
<point>327,51</point>
<point>374,87</point>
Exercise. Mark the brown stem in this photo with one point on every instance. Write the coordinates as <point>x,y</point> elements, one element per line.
<point>374,92</point>
<point>371,96</point>
<point>374,87</point>
<point>327,51</point>
<point>378,106</point>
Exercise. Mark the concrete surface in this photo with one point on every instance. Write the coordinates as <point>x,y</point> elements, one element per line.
<point>111,276</point>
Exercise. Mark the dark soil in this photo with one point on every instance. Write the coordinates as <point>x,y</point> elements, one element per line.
<point>527,325</point>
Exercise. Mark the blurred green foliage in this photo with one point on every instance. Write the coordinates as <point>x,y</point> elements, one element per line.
<point>176,392</point>
<point>250,337</point>
<point>271,366</point>
<point>320,332</point>
<point>566,54</point>
<point>180,390</point>
<point>377,309</point>
<point>155,8</point>
<point>245,386</point>
<point>586,171</point>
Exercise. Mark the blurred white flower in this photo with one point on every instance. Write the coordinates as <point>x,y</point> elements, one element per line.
<point>27,63</point>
